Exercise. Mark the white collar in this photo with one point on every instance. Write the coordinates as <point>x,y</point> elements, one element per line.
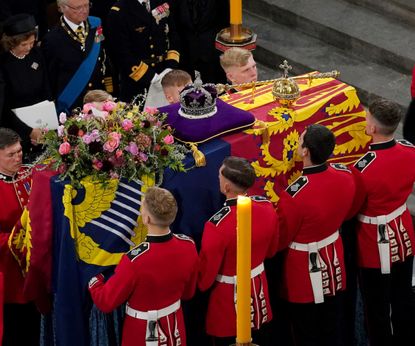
<point>72,25</point>
<point>142,1</point>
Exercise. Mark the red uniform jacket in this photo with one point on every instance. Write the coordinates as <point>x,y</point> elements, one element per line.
<point>218,256</point>
<point>314,208</point>
<point>14,192</point>
<point>388,173</point>
<point>152,276</point>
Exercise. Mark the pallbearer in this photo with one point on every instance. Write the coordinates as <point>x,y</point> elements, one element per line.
<point>311,212</point>
<point>385,231</point>
<point>152,278</point>
<point>218,255</point>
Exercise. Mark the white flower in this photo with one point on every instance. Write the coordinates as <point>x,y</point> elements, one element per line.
<point>62,118</point>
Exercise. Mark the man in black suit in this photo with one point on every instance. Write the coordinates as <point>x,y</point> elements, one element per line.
<point>143,43</point>
<point>198,22</point>
<point>74,54</point>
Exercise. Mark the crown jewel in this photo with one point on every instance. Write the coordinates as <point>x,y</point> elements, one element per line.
<point>198,100</point>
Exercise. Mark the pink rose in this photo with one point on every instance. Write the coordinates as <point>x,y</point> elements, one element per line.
<point>108,106</point>
<point>112,142</point>
<point>87,108</point>
<point>97,164</point>
<point>151,110</point>
<point>118,153</point>
<point>127,124</point>
<point>64,148</point>
<point>169,139</point>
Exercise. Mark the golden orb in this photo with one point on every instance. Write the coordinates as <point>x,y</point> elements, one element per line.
<point>285,91</point>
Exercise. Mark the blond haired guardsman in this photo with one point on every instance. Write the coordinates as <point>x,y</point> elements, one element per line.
<point>143,43</point>
<point>239,65</point>
<point>152,278</point>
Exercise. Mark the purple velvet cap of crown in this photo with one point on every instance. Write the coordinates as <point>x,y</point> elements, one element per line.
<point>198,100</point>
<point>226,119</point>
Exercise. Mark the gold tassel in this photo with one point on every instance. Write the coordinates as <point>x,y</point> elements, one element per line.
<point>200,159</point>
<point>265,133</point>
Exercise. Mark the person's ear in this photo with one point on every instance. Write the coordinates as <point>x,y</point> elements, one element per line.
<point>146,219</point>
<point>229,76</point>
<point>169,98</point>
<point>227,187</point>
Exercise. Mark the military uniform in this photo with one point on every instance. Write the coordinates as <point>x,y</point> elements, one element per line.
<point>311,212</point>
<point>142,43</point>
<point>64,53</point>
<point>152,278</point>
<point>386,240</point>
<point>14,192</point>
<point>218,265</point>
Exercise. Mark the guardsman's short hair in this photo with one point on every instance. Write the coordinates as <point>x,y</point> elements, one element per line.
<point>320,142</point>
<point>8,137</point>
<point>161,204</point>
<point>239,172</point>
<point>387,114</point>
<point>176,78</point>
<point>234,56</point>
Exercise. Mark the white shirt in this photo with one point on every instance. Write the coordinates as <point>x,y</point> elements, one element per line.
<point>72,25</point>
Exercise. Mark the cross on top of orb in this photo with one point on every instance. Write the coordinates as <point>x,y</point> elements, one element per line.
<point>285,67</point>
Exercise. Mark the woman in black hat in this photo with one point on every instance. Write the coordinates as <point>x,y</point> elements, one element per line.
<point>25,77</point>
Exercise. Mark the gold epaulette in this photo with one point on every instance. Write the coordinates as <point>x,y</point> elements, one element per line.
<point>173,55</point>
<point>109,86</point>
<point>139,71</point>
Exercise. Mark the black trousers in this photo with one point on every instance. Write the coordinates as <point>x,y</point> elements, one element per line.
<point>21,325</point>
<point>317,324</point>
<point>389,304</point>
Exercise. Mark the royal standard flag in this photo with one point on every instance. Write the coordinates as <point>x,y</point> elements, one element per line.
<point>272,148</point>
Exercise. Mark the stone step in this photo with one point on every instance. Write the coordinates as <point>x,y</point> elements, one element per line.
<point>277,42</point>
<point>349,27</point>
<point>402,10</point>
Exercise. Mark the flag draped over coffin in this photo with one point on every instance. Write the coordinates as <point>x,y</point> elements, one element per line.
<point>94,227</point>
<point>272,148</point>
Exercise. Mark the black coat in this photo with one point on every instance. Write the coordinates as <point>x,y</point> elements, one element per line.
<point>25,83</point>
<point>136,41</point>
<point>64,55</point>
<point>409,123</point>
<point>198,22</point>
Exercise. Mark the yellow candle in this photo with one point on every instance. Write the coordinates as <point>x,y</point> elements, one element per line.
<point>243,271</point>
<point>236,11</point>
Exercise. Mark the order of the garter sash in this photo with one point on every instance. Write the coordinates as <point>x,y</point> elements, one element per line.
<point>81,77</point>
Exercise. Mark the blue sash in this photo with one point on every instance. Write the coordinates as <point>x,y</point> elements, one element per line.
<point>81,77</point>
